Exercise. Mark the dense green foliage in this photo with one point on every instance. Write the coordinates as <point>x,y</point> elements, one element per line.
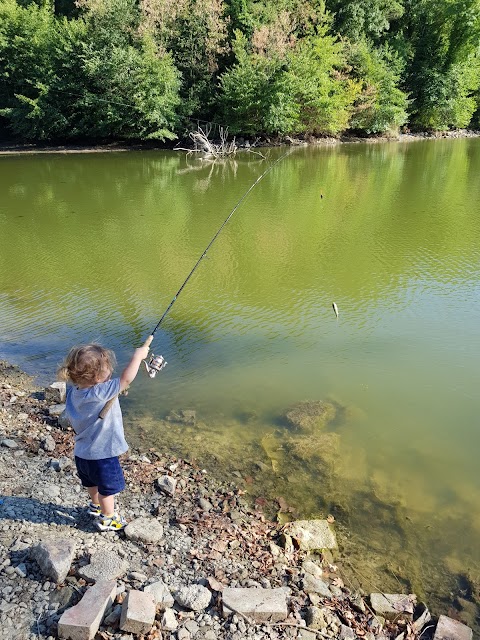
<point>147,69</point>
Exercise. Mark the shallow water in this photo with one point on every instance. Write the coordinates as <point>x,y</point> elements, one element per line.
<point>95,246</point>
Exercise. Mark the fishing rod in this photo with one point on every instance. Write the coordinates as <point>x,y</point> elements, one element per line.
<point>157,363</point>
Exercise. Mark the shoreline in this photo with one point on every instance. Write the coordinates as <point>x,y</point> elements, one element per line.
<point>243,143</point>
<point>193,533</point>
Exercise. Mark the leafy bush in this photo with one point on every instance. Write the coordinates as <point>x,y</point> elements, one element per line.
<point>303,91</point>
<point>92,77</point>
<point>381,105</point>
<point>448,99</point>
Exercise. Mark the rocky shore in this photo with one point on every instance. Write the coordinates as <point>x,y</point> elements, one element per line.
<point>196,561</point>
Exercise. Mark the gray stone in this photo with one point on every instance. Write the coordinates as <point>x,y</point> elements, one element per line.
<point>167,484</point>
<point>147,530</point>
<point>260,605</point>
<point>305,634</point>
<point>51,490</point>
<point>161,595</point>
<point>63,421</point>
<point>449,629</point>
<point>82,621</point>
<point>205,505</point>
<point>138,612</point>
<point>346,633</point>
<point>62,596</point>
<point>315,618</point>
<point>183,634</point>
<point>357,602</point>
<point>191,626</point>
<point>56,410</point>
<point>169,621</point>
<point>56,392</point>
<point>104,565</point>
<point>311,534</point>
<point>393,606</point>
<point>114,616</point>
<point>54,557</point>
<point>10,444</point>
<point>136,575</point>
<point>195,597</point>
<point>316,585</point>
<point>48,443</point>
<point>313,569</point>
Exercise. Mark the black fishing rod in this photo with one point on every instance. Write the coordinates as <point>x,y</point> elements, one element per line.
<point>157,363</point>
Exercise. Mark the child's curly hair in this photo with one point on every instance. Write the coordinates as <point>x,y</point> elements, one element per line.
<point>85,363</point>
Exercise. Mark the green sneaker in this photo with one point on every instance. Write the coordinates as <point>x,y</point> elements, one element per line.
<point>114,523</point>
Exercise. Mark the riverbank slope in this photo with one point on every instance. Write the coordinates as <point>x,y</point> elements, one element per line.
<point>195,536</point>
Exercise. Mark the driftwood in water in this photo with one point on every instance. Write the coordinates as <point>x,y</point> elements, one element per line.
<point>221,148</point>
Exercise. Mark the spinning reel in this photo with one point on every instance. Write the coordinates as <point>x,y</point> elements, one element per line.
<point>154,365</point>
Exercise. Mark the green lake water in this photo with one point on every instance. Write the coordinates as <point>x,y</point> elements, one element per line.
<point>94,246</point>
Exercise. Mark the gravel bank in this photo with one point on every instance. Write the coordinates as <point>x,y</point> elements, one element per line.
<point>193,534</point>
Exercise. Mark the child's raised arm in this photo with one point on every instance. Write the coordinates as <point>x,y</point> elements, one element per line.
<point>131,370</point>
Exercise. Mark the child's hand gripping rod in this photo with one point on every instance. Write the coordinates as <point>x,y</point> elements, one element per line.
<point>130,372</point>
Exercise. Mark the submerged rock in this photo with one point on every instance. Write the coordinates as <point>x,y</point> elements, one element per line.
<point>324,447</point>
<point>311,535</point>
<point>310,415</point>
<point>184,416</point>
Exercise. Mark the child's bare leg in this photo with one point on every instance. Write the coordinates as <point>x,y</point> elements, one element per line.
<point>93,493</point>
<point>107,504</point>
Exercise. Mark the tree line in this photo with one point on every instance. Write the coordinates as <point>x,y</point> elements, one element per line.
<point>146,69</point>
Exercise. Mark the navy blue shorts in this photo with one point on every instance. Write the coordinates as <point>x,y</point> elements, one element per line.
<point>106,474</point>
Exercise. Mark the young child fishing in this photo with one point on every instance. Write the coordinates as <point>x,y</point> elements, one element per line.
<point>99,440</point>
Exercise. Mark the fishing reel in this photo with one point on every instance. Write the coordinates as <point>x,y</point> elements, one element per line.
<point>154,365</point>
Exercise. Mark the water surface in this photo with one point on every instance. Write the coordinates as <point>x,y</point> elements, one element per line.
<point>94,247</point>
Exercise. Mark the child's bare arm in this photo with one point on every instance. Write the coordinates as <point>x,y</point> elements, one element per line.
<point>132,367</point>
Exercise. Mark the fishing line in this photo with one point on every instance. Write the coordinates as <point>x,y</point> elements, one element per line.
<point>157,363</point>
<point>267,170</point>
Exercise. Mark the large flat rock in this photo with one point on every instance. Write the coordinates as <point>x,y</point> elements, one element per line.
<point>147,530</point>
<point>104,565</point>
<point>449,629</point>
<point>393,606</point>
<point>138,612</point>
<point>260,605</point>
<point>54,557</point>
<point>311,535</point>
<point>82,621</point>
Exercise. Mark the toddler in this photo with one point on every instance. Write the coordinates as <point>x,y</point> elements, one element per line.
<point>99,441</point>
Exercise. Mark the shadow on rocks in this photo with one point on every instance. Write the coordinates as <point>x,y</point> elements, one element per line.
<point>19,509</point>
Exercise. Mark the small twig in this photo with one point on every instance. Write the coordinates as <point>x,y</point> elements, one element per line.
<point>252,622</point>
<point>296,626</point>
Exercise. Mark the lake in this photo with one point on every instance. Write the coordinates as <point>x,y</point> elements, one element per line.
<point>94,246</point>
